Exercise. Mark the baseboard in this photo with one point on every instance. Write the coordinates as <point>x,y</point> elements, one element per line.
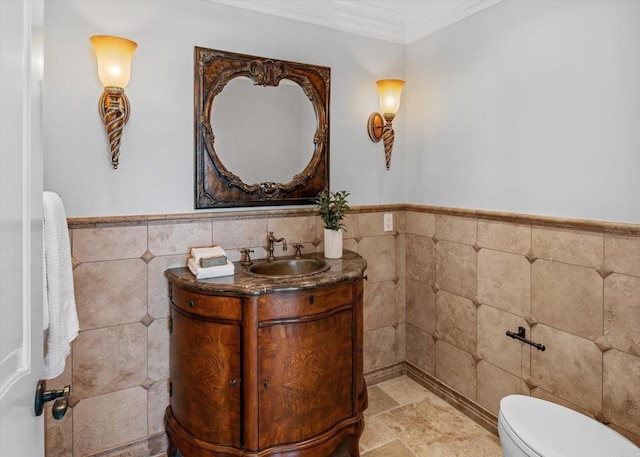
<point>152,445</point>
<point>384,374</point>
<point>470,408</point>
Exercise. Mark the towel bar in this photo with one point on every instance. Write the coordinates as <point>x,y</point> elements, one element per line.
<point>521,337</point>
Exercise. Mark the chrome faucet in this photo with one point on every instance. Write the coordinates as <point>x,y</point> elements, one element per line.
<point>272,240</point>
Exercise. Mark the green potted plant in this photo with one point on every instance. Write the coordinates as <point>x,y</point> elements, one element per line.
<point>332,207</point>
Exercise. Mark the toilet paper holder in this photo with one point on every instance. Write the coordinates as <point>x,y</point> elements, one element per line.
<point>521,336</point>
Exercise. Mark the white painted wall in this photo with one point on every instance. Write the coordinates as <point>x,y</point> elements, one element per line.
<point>156,161</point>
<point>531,107</point>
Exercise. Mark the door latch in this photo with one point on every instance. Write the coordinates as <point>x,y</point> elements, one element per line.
<point>61,398</point>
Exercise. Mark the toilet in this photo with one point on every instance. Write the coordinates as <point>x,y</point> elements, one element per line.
<point>530,427</point>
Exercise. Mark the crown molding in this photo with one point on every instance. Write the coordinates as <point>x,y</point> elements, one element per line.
<point>438,18</point>
<point>395,21</point>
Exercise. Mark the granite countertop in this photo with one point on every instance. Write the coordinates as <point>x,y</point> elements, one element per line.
<point>349,268</point>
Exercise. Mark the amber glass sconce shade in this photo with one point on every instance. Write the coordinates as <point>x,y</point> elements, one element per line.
<point>114,56</point>
<point>380,126</point>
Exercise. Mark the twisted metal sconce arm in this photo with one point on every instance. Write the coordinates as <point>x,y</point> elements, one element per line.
<point>114,111</point>
<point>388,136</point>
<point>382,130</point>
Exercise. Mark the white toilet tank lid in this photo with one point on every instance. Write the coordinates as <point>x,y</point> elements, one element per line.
<point>552,430</point>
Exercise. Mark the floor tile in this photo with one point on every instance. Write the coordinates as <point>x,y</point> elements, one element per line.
<point>482,447</point>
<point>405,391</point>
<point>379,402</point>
<point>394,449</point>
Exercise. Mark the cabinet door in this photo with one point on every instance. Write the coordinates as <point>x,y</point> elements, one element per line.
<point>306,377</point>
<point>205,376</point>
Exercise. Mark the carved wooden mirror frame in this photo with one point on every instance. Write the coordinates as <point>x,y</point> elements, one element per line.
<point>215,185</point>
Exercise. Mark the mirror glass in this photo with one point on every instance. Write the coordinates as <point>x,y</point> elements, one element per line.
<point>263,133</point>
<point>261,130</point>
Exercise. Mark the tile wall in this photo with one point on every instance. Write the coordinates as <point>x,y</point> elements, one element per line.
<point>119,365</point>
<point>442,291</point>
<point>577,291</point>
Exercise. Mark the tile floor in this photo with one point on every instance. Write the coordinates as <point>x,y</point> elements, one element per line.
<point>406,420</point>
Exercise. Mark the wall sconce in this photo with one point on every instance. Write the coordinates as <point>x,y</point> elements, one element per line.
<point>389,91</point>
<point>114,56</point>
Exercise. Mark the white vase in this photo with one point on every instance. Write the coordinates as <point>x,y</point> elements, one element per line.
<point>333,244</point>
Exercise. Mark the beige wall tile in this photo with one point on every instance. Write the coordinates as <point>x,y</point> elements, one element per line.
<point>621,395</point>
<point>494,384</point>
<point>504,281</point>
<point>458,229</point>
<point>95,426</point>
<point>567,297</point>
<point>110,293</point>
<point>379,348</point>
<point>158,349</point>
<point>569,246</point>
<point>380,253</point>
<point>401,301</point>
<point>58,433</point>
<point>622,312</point>
<point>570,367</point>
<point>456,321</point>
<point>456,268</point>
<point>423,224</point>
<point>627,434</point>
<point>351,226</point>
<point>456,368</point>
<point>504,236</point>
<point>349,232</point>
<point>158,400</point>
<point>109,359</point>
<point>293,229</point>
<point>401,221</point>
<point>347,244</point>
<point>496,347</point>
<point>567,362</point>
<point>372,224</point>
<point>537,392</point>
<point>237,234</point>
<point>401,256</point>
<point>421,349</point>
<point>168,238</point>
<point>421,305</point>
<point>158,294</point>
<point>401,342</point>
<point>379,304</point>
<point>420,258</point>
<point>622,254</point>
<point>109,243</point>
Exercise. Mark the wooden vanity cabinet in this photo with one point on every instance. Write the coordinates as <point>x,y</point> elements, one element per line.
<point>278,373</point>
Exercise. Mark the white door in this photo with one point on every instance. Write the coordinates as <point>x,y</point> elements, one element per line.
<point>21,69</point>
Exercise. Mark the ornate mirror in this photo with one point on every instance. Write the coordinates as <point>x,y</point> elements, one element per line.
<point>262,130</point>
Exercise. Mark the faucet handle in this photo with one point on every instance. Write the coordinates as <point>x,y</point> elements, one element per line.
<point>247,256</point>
<point>298,247</point>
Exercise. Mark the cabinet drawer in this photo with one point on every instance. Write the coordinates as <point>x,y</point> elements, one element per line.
<point>207,305</point>
<point>304,302</point>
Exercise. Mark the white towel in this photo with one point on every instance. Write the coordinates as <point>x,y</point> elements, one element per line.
<point>60,316</point>
<point>213,251</point>
<point>210,272</point>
